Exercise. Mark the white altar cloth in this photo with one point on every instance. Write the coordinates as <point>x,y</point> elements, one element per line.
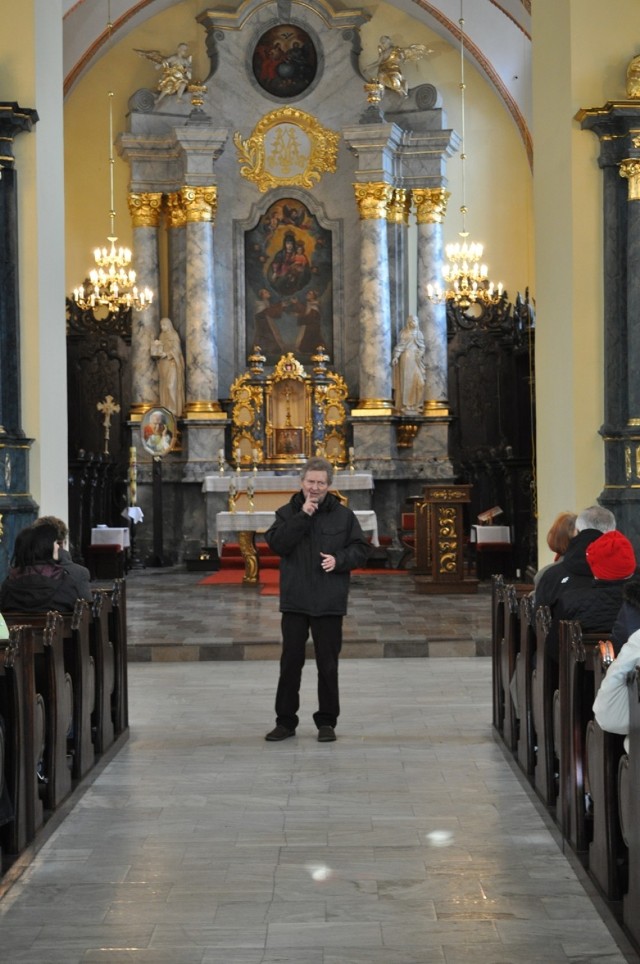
<point>343,481</point>
<point>107,536</point>
<point>227,522</point>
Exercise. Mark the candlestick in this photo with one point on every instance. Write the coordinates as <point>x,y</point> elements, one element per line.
<point>238,459</point>
<point>133,476</point>
<point>233,493</point>
<point>221,462</point>
<point>352,467</point>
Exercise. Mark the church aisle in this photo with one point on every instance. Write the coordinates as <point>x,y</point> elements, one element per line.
<point>410,840</point>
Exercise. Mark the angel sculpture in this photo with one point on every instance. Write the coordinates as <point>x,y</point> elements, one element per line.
<point>390,60</point>
<point>176,70</point>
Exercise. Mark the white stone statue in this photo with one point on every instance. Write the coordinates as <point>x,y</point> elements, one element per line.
<point>409,368</point>
<point>176,70</point>
<point>167,351</point>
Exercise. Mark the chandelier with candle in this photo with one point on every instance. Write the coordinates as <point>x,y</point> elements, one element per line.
<point>465,275</point>
<point>112,282</point>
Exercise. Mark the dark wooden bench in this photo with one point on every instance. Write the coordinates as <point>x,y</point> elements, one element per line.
<point>525,749</point>
<point>631,824</point>
<point>606,776</point>
<point>544,683</point>
<point>117,623</point>
<point>103,655</point>
<point>498,609</point>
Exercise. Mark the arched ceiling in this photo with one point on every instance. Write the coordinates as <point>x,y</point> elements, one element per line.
<point>497,39</point>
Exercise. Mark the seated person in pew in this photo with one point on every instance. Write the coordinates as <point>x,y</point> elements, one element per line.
<point>628,619</point>
<point>37,582</point>
<point>559,536</point>
<point>611,705</point>
<point>78,573</point>
<point>595,606</point>
<point>573,570</point>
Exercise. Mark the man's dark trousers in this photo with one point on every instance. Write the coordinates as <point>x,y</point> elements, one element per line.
<point>326,632</point>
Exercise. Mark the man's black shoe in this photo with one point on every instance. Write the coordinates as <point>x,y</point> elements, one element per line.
<point>279,733</point>
<point>326,734</point>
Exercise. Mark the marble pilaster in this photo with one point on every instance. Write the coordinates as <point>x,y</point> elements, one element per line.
<point>375,316</point>
<point>431,206</point>
<point>177,235</point>
<point>145,210</point>
<point>630,169</point>
<point>201,343</point>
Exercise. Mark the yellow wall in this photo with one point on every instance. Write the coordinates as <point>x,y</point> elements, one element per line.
<point>581,49</point>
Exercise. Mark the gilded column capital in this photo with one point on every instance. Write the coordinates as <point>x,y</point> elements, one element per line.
<point>200,203</point>
<point>145,209</point>
<point>176,214</point>
<point>630,168</point>
<point>373,200</point>
<point>399,206</point>
<point>431,204</point>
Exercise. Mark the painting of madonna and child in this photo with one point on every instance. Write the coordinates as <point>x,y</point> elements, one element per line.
<point>289,290</point>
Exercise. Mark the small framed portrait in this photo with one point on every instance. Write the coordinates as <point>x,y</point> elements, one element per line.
<point>158,430</point>
<point>285,61</point>
<point>289,441</point>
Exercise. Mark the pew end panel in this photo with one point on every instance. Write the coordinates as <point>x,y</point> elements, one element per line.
<point>544,683</point>
<point>102,653</point>
<point>631,901</point>
<point>498,607</point>
<point>525,750</point>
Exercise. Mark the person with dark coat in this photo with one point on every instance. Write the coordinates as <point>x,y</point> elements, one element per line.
<point>573,571</point>
<point>37,582</point>
<point>628,618</point>
<point>319,541</point>
<point>612,562</point>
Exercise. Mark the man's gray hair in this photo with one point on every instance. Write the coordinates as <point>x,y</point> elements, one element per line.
<point>317,464</point>
<point>596,517</point>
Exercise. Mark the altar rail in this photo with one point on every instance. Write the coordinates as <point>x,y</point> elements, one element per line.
<point>542,711</point>
<point>63,707</point>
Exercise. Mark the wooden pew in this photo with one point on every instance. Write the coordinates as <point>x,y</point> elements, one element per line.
<point>631,901</point>
<point>510,646</point>
<point>23,709</point>
<point>103,657</point>
<point>575,697</point>
<point>525,750</point>
<point>117,620</point>
<point>544,682</point>
<point>608,853</point>
<point>498,608</point>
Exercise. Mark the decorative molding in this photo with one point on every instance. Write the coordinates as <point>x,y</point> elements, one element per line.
<point>430,204</point>
<point>145,209</point>
<point>373,200</point>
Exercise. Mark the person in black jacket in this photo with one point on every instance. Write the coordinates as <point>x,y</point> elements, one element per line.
<point>612,562</point>
<point>319,541</point>
<point>573,570</point>
<point>37,582</point>
<point>628,619</point>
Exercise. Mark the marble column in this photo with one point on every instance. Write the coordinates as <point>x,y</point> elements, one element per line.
<point>145,210</point>
<point>176,222</point>
<point>373,201</point>
<point>200,205</point>
<point>398,244</point>
<point>430,206</point>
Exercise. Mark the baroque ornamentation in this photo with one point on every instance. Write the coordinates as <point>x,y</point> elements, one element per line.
<point>145,209</point>
<point>373,200</point>
<point>287,147</point>
<point>200,204</point>
<point>430,204</point>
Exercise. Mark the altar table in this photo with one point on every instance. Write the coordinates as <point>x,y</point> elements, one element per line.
<point>247,524</point>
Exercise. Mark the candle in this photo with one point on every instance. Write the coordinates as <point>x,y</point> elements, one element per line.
<point>255,455</point>
<point>221,454</point>
<point>351,451</point>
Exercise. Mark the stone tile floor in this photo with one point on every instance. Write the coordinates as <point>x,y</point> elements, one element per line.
<point>410,840</point>
<point>171,616</point>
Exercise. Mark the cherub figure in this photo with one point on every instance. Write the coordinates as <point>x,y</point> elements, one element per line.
<point>390,60</point>
<point>176,70</point>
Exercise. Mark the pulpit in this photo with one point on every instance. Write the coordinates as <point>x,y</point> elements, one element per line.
<point>440,540</point>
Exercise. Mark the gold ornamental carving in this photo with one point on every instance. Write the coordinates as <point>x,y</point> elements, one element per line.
<point>630,168</point>
<point>287,148</point>
<point>399,206</point>
<point>145,209</point>
<point>447,495</point>
<point>447,540</point>
<point>176,214</point>
<point>430,204</point>
<point>200,204</point>
<point>373,200</point>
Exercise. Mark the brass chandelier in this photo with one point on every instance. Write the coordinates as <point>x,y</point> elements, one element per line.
<point>112,282</point>
<point>465,275</point>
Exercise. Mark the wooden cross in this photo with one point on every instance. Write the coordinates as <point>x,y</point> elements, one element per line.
<point>108,407</point>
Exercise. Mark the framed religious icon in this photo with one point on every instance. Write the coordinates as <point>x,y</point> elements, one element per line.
<point>158,431</point>
<point>289,441</point>
<point>285,61</point>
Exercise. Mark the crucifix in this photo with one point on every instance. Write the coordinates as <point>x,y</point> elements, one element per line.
<point>108,408</point>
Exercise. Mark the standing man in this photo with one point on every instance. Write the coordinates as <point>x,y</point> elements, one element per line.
<point>319,541</point>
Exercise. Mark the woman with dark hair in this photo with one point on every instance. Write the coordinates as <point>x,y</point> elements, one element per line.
<point>37,582</point>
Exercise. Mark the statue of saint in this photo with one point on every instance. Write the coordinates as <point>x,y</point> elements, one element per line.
<point>390,62</point>
<point>409,368</point>
<point>176,70</point>
<point>633,78</point>
<point>167,351</point>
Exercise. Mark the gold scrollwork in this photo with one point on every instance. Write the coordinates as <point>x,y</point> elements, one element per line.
<point>399,206</point>
<point>287,147</point>
<point>430,204</point>
<point>637,462</point>
<point>406,433</point>
<point>447,542</point>
<point>145,209</point>
<point>447,495</point>
<point>373,200</point>
<point>176,214</point>
<point>200,203</point>
<point>1,528</point>
<point>630,168</point>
